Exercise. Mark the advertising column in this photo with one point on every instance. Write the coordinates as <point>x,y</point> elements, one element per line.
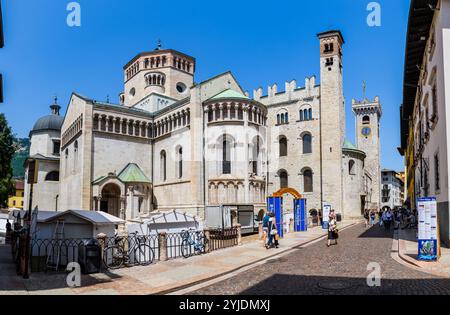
<point>300,216</point>
<point>275,205</point>
<point>427,229</point>
<point>326,214</point>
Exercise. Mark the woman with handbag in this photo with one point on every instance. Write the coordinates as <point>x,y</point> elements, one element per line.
<point>332,231</point>
<point>273,233</point>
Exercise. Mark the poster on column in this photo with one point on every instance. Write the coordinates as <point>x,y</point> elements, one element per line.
<point>326,214</point>
<point>427,229</point>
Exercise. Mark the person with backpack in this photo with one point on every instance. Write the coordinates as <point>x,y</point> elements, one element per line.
<point>265,226</point>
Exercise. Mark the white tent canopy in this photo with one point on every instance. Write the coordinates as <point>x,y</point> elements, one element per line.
<point>170,222</point>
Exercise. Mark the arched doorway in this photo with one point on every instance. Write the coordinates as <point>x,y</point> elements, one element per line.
<point>110,202</point>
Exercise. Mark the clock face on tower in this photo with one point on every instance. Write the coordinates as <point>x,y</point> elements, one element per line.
<point>365,131</point>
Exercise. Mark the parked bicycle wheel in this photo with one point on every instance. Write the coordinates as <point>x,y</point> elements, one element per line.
<point>144,255</point>
<point>113,257</point>
<point>186,248</point>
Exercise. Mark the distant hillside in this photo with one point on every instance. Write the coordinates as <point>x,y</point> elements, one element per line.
<point>22,152</point>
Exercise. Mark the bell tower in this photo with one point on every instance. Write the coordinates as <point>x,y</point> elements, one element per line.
<point>332,117</point>
<point>165,72</point>
<point>367,126</point>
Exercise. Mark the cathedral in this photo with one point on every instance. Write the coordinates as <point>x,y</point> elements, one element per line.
<point>174,144</point>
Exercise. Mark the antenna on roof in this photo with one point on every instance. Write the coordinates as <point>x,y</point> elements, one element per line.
<point>364,86</point>
<point>159,45</point>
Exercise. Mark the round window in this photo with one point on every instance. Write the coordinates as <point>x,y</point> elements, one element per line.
<point>132,92</point>
<point>181,87</point>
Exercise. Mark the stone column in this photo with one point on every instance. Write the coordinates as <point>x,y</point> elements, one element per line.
<point>247,110</point>
<point>96,203</point>
<point>102,240</point>
<point>207,235</point>
<point>239,234</point>
<point>162,244</point>
<point>122,207</point>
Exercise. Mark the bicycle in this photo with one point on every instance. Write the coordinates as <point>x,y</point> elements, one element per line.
<point>199,243</point>
<point>140,253</point>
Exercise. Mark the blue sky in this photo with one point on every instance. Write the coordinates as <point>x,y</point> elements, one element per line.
<point>261,42</point>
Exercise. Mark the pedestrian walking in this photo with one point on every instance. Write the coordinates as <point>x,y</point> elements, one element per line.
<point>387,219</point>
<point>332,230</point>
<point>273,232</point>
<point>265,225</point>
<point>380,218</point>
<point>372,217</point>
<point>397,219</point>
<point>366,217</point>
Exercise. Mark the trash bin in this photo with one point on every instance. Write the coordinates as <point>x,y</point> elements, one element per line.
<point>89,256</point>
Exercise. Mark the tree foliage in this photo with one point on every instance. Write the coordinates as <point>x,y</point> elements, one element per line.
<point>7,150</point>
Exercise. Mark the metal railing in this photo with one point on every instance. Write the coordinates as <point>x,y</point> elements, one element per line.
<point>223,238</point>
<point>116,252</point>
<point>185,244</point>
<point>53,254</point>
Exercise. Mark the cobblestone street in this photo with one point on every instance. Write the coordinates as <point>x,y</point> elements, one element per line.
<point>340,269</point>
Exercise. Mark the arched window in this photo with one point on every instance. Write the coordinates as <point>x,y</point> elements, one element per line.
<point>351,167</point>
<point>180,162</point>
<point>283,179</point>
<point>301,115</point>
<point>255,154</point>
<point>307,180</point>
<point>226,156</point>
<point>283,117</point>
<point>307,143</point>
<point>366,120</point>
<point>283,146</point>
<point>310,114</point>
<point>163,168</point>
<point>52,176</point>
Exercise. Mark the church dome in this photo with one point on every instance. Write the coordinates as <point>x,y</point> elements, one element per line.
<point>49,122</point>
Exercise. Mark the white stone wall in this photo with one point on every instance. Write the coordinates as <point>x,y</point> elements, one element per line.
<point>295,161</point>
<point>45,193</point>
<point>42,142</point>
<point>353,179</point>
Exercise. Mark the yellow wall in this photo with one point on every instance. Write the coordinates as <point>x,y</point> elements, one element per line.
<point>18,198</point>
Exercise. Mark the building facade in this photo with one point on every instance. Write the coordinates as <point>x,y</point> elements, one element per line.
<point>173,144</point>
<point>392,189</point>
<point>17,200</point>
<point>424,114</point>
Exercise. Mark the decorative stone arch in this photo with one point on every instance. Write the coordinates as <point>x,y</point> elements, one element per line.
<point>291,191</point>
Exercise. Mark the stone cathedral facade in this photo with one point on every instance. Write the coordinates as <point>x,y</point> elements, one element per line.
<point>175,144</point>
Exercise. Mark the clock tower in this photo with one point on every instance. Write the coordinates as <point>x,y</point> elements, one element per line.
<point>367,124</point>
